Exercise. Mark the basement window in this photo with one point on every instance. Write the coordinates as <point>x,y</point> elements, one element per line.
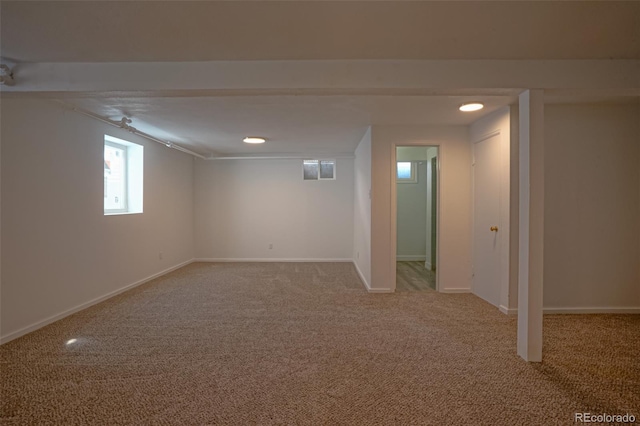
<point>406,172</point>
<point>123,176</point>
<point>319,169</point>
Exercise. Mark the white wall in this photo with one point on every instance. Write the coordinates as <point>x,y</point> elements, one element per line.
<point>592,206</point>
<point>454,240</point>
<point>242,206</point>
<point>499,122</point>
<point>59,251</point>
<point>362,209</point>
<point>412,216</point>
<point>412,153</point>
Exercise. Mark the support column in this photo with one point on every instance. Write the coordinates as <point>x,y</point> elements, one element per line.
<point>531,241</point>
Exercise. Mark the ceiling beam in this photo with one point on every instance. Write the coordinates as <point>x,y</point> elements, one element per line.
<point>363,77</point>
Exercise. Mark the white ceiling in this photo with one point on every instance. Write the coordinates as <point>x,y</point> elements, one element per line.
<point>291,124</point>
<point>122,31</point>
<point>178,31</point>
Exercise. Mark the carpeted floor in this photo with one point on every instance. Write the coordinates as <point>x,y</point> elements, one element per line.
<point>296,343</point>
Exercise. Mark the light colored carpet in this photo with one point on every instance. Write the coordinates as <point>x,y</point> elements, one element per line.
<point>297,343</point>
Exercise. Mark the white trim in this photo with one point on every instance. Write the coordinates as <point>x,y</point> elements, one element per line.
<point>427,264</point>
<point>579,310</point>
<point>368,286</point>
<point>394,210</point>
<point>270,259</point>
<point>362,278</point>
<point>380,290</point>
<point>82,306</point>
<point>115,143</point>
<point>122,213</point>
<point>411,258</point>
<point>592,310</point>
<point>508,311</point>
<point>455,290</point>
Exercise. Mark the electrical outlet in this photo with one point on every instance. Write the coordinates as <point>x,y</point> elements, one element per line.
<point>270,246</point>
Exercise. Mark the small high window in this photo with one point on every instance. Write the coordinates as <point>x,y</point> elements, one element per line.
<point>319,169</point>
<point>123,176</point>
<point>406,172</point>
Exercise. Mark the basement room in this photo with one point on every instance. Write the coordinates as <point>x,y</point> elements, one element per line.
<point>319,212</point>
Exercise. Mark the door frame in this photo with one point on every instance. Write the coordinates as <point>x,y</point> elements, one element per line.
<point>394,208</point>
<point>434,212</point>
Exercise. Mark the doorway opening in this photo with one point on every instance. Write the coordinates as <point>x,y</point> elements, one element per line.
<point>416,185</point>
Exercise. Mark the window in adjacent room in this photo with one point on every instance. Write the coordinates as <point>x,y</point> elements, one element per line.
<point>319,169</point>
<point>406,172</point>
<point>123,176</point>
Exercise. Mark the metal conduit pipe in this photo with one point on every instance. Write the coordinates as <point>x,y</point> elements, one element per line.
<point>124,124</point>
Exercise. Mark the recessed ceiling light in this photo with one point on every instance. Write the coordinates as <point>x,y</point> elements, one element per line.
<point>254,139</point>
<point>471,106</point>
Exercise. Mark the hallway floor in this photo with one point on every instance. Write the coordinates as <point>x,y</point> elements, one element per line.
<point>413,276</point>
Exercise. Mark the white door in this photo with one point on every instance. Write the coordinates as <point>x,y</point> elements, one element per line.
<point>486,205</point>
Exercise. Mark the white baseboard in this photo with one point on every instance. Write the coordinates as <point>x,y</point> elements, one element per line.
<point>603,310</point>
<point>508,311</point>
<point>269,259</point>
<point>553,311</point>
<point>362,278</point>
<point>411,258</point>
<point>427,265</point>
<point>367,285</point>
<point>380,290</point>
<point>455,290</point>
<point>54,318</point>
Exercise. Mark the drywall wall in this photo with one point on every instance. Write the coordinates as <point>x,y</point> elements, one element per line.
<point>454,239</point>
<point>362,208</point>
<point>59,251</point>
<point>412,216</point>
<point>498,124</point>
<point>244,206</point>
<point>592,207</point>
<point>412,153</point>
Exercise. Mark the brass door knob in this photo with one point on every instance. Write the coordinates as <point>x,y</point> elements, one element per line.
<point>494,228</point>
